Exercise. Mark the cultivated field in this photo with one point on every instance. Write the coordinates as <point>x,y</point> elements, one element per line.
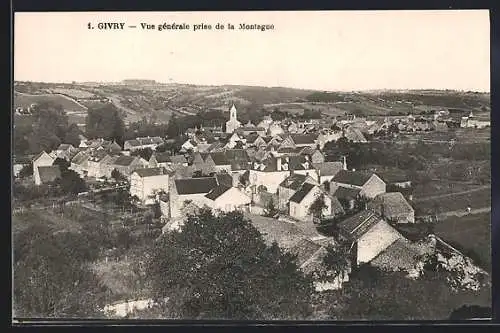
<point>480,198</point>
<point>469,233</point>
<point>25,100</point>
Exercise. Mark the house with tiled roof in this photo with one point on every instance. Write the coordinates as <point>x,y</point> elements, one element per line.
<point>189,145</point>
<point>145,183</point>
<point>354,135</point>
<point>347,196</point>
<point>269,173</point>
<point>367,235</point>
<point>127,164</point>
<point>393,207</point>
<point>369,184</point>
<point>66,151</point>
<point>142,143</point>
<point>43,159</point>
<point>305,140</point>
<point>79,163</point>
<point>289,186</point>
<point>191,190</point>
<point>228,198</point>
<point>327,170</point>
<point>301,201</point>
<point>159,159</point>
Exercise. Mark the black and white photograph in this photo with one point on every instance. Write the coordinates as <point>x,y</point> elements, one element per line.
<point>255,165</point>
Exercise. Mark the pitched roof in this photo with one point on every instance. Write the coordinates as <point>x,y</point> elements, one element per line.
<point>162,157</point>
<point>80,158</point>
<point>302,192</point>
<point>328,168</point>
<point>304,138</point>
<point>220,158</point>
<point>224,179</point>
<point>346,193</point>
<point>124,160</point>
<point>293,181</point>
<point>39,155</point>
<point>336,206</point>
<point>64,146</point>
<point>217,192</point>
<point>180,159</point>
<point>195,185</point>
<point>358,178</point>
<point>393,176</point>
<point>49,173</point>
<point>299,162</point>
<point>357,225</point>
<point>304,250</point>
<point>394,203</point>
<point>149,172</point>
<point>133,142</point>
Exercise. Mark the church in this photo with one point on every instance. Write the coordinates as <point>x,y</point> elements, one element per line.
<point>232,124</point>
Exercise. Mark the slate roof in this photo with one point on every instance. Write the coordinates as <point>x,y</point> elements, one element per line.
<point>300,139</point>
<point>299,162</point>
<point>220,158</point>
<point>49,173</point>
<point>217,192</point>
<point>358,178</point>
<point>149,172</point>
<point>393,176</point>
<point>195,185</point>
<point>356,226</point>
<point>124,160</point>
<point>346,193</point>
<point>294,181</point>
<point>302,192</point>
<point>328,168</point>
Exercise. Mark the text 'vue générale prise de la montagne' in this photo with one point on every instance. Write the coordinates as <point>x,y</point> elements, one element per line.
<point>179,27</point>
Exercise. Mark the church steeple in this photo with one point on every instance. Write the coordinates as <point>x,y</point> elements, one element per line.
<point>232,114</point>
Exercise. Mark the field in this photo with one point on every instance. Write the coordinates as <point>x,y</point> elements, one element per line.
<point>43,217</point>
<point>75,93</point>
<point>25,100</point>
<point>469,233</point>
<point>479,198</point>
<point>439,187</point>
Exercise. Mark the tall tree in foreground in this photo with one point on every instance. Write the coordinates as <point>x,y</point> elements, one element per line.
<point>218,267</point>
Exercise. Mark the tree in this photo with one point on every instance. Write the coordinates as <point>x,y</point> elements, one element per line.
<point>317,207</point>
<point>105,122</point>
<point>173,128</point>
<point>270,210</point>
<point>72,135</point>
<point>145,153</point>
<point>62,163</point>
<point>26,171</point>
<point>219,267</point>
<point>51,278</point>
<point>70,183</point>
<point>336,259</point>
<point>117,175</point>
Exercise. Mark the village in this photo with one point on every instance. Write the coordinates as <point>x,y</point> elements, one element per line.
<point>276,173</point>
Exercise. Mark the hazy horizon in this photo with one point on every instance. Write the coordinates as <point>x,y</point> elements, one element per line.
<point>321,51</point>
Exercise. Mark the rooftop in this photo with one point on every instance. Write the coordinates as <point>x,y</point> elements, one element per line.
<point>150,172</point>
<point>201,185</point>
<point>217,192</point>
<point>358,178</point>
<point>328,168</point>
<point>356,226</point>
<point>302,192</point>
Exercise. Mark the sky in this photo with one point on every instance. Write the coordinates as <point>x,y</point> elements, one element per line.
<point>320,50</point>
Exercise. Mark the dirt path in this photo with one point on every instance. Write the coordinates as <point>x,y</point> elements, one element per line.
<point>451,194</point>
<point>460,213</point>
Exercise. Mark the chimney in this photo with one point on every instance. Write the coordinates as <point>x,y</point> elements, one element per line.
<point>278,163</point>
<point>344,163</point>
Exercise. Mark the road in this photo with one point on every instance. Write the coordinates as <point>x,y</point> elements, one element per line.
<point>460,213</point>
<point>480,188</point>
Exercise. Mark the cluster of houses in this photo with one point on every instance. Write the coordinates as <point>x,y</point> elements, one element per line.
<point>249,168</point>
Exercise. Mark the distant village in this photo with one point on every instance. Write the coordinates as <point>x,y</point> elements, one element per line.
<point>273,169</point>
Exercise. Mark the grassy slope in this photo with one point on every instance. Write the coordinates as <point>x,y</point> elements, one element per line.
<point>25,100</point>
